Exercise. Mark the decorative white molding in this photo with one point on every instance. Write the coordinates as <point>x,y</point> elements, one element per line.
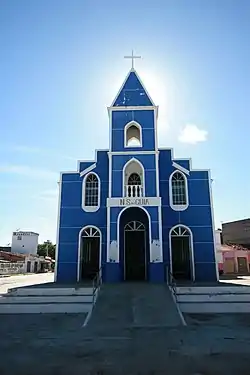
<point>160,230</point>
<point>113,252</point>
<point>156,252</point>
<point>176,207</point>
<point>135,152</point>
<point>191,249</point>
<point>180,168</point>
<point>108,233</point>
<point>133,160</point>
<point>126,127</point>
<point>149,229</point>
<point>89,161</point>
<point>134,202</point>
<point>58,228</point>
<point>91,208</point>
<point>79,248</point>
<point>213,222</point>
<point>87,170</point>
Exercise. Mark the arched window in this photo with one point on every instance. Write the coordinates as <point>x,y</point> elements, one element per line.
<point>132,135</point>
<point>178,191</point>
<point>91,192</point>
<point>133,179</point>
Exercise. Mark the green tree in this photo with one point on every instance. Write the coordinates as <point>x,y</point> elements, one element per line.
<point>47,248</point>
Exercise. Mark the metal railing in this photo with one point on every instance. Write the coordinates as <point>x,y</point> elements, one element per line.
<point>171,282</point>
<point>97,282</point>
<point>134,191</point>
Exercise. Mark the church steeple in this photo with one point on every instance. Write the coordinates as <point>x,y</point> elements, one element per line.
<point>132,93</point>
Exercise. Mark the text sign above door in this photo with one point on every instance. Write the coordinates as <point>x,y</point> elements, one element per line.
<point>123,202</point>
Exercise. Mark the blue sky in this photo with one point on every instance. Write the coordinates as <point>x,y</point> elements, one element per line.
<point>62,64</point>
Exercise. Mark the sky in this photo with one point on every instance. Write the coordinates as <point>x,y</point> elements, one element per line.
<point>62,64</point>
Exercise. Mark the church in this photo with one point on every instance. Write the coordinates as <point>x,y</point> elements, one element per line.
<point>135,213</point>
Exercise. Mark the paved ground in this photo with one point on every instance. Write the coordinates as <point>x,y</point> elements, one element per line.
<point>58,344</point>
<point>238,280</point>
<point>24,280</point>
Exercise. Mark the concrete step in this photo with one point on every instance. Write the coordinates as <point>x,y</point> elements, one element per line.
<point>9,299</point>
<point>214,307</point>
<point>208,298</point>
<point>49,308</point>
<point>36,291</point>
<point>220,289</point>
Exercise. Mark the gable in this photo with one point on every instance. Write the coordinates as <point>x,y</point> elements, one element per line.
<point>132,93</point>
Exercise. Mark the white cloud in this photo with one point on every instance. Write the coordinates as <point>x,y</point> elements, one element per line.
<point>192,134</point>
<point>25,170</point>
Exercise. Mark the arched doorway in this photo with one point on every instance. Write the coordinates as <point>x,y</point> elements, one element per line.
<point>181,253</point>
<point>134,244</point>
<point>89,253</point>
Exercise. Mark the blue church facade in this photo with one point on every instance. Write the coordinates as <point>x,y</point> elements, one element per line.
<point>135,212</point>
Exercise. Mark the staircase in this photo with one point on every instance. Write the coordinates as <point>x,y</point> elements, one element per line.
<point>121,307</point>
<point>55,299</point>
<point>213,299</point>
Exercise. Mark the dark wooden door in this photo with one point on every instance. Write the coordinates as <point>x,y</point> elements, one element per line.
<point>90,257</point>
<point>135,256</point>
<point>181,258</point>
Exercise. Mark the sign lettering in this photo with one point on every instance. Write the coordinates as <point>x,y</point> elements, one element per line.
<point>134,201</point>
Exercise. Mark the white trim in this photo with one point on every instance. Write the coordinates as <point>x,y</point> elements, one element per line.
<point>123,175</point>
<point>127,76</point>
<point>157,175</point>
<point>90,168</point>
<point>110,175</point>
<point>156,128</point>
<point>135,108</point>
<point>213,223</point>
<point>89,161</point>
<point>136,152</point>
<point>91,208</point>
<point>174,206</point>
<point>79,248</point>
<point>128,125</point>
<point>182,169</point>
<point>160,231</point>
<point>58,227</point>
<point>133,202</point>
<point>191,249</point>
<point>108,234</point>
<point>118,231</point>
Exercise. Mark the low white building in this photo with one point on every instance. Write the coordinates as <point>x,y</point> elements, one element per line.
<point>24,242</point>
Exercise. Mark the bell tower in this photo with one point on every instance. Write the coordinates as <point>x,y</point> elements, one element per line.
<point>133,116</point>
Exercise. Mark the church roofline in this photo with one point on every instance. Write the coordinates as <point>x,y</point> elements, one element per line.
<point>132,70</point>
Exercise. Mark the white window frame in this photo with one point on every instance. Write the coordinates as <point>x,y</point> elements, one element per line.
<point>143,181</point>
<point>178,207</point>
<point>90,208</point>
<point>126,127</point>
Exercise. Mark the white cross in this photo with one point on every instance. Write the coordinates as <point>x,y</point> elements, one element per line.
<point>132,57</point>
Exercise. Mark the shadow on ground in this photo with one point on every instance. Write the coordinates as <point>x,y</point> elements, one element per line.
<point>57,344</point>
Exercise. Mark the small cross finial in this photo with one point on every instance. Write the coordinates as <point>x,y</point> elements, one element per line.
<point>132,57</point>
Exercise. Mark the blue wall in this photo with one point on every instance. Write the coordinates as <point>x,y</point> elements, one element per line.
<point>144,118</point>
<point>73,218</point>
<point>119,161</point>
<point>198,216</point>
